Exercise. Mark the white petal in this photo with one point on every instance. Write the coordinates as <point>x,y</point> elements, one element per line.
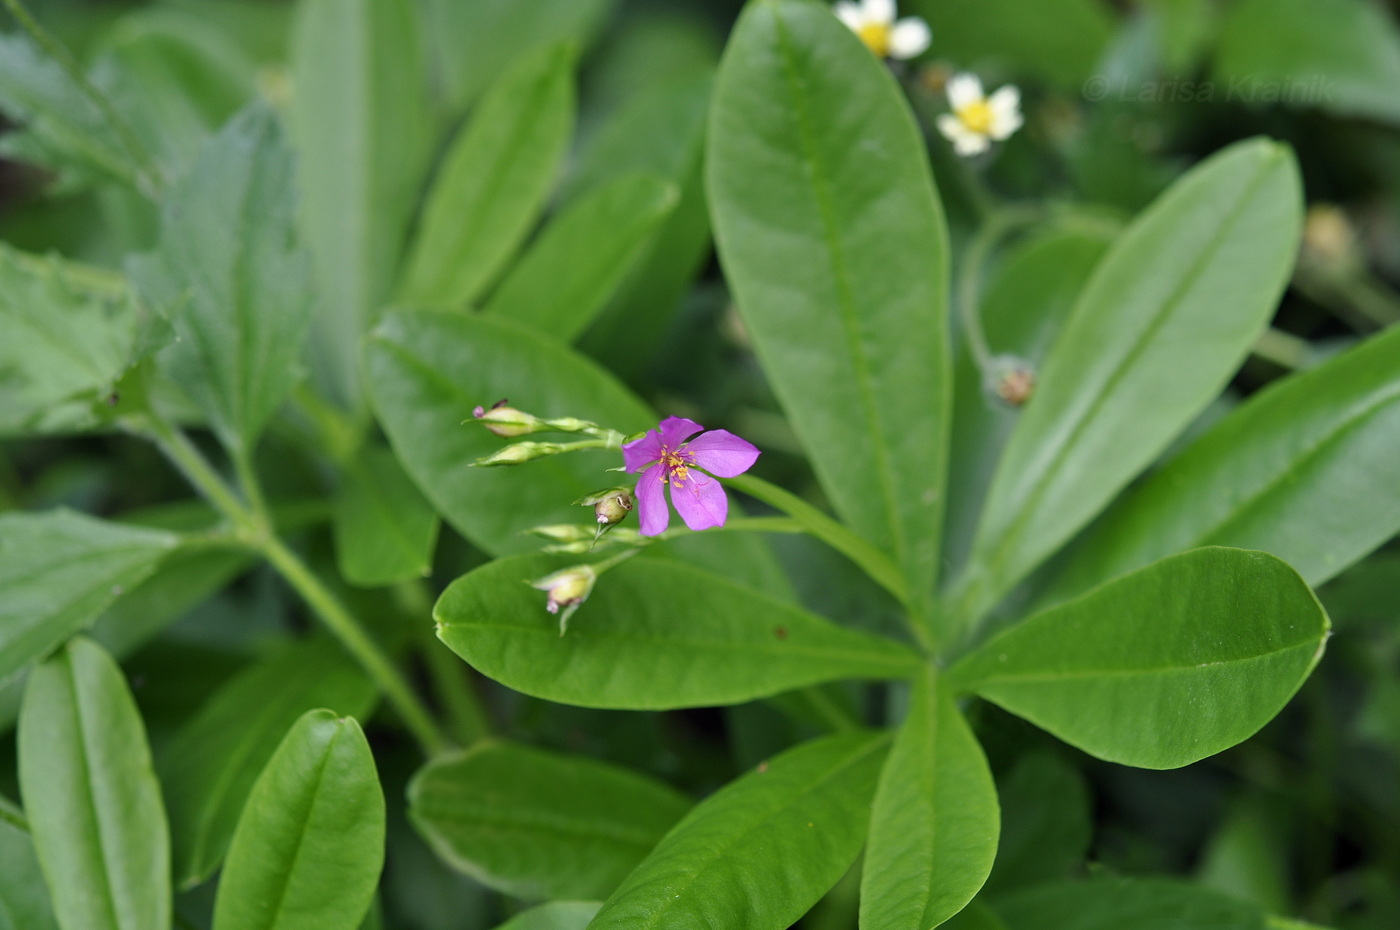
<point>965,141</point>
<point>1006,101</point>
<point>909,38</point>
<point>879,11</point>
<point>849,13</point>
<point>1004,124</point>
<point>964,90</point>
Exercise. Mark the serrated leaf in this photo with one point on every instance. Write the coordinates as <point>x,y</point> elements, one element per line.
<point>535,824</point>
<point>310,842</point>
<point>59,570</point>
<point>652,635</point>
<point>933,832</point>
<point>227,274</point>
<point>832,237</point>
<point>91,795</point>
<point>762,850</point>
<point>493,181</point>
<point>211,764</point>
<point>1162,667</point>
<point>1168,315</point>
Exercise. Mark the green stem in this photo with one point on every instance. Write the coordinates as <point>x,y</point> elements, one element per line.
<point>1283,349</point>
<point>197,470</point>
<point>144,178</point>
<point>970,269</point>
<point>451,677</point>
<point>865,554</point>
<point>365,650</point>
<point>12,815</point>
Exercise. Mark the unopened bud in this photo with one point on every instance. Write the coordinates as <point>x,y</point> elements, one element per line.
<point>610,506</point>
<point>1011,380</point>
<point>1329,239</point>
<point>562,532</point>
<point>567,589</point>
<point>518,453</point>
<point>505,421</point>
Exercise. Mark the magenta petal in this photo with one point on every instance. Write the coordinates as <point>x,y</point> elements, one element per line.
<point>722,453</point>
<point>640,453</point>
<point>676,430</point>
<point>700,501</point>
<point>651,502</point>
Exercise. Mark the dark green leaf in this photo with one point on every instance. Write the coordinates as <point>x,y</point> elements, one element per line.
<point>535,824</point>
<point>384,529</point>
<point>361,123</point>
<point>653,635</point>
<point>428,370</point>
<point>1304,470</point>
<point>582,255</point>
<point>556,915</point>
<point>229,278</point>
<point>762,850</point>
<point>493,181</point>
<point>1342,56</point>
<point>65,343</point>
<point>310,841</point>
<point>24,901</point>
<point>211,765</point>
<point>933,832</point>
<point>1116,903</point>
<point>91,795</point>
<point>832,238</point>
<point>1169,313</point>
<point>1160,668</point>
<point>1046,823</point>
<point>59,570</point>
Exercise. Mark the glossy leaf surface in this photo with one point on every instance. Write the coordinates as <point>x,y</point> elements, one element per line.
<point>1162,667</point>
<point>832,238</point>
<point>493,181</point>
<point>536,824</point>
<point>59,570</point>
<point>1169,313</point>
<point>933,832</point>
<point>652,635</point>
<point>230,279</point>
<point>213,761</point>
<point>310,841</point>
<point>1304,470</point>
<point>763,849</point>
<point>384,529</point>
<point>91,795</point>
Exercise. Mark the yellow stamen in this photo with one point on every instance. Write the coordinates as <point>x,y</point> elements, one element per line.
<point>876,36</point>
<point>977,117</point>
<point>673,467</point>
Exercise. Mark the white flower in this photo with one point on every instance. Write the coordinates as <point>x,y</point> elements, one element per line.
<point>977,119</point>
<point>874,22</point>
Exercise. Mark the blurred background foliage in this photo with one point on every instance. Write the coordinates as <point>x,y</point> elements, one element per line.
<point>1120,98</point>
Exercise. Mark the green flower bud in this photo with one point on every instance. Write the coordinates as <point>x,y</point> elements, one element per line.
<point>1011,380</point>
<point>568,588</point>
<point>562,532</point>
<point>610,505</point>
<point>518,453</point>
<point>505,421</point>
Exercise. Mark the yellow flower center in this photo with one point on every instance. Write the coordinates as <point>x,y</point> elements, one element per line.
<point>673,467</point>
<point>977,117</point>
<point>876,36</point>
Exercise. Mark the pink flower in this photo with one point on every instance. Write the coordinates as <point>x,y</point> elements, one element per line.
<point>664,456</point>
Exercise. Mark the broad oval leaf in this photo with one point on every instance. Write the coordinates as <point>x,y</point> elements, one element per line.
<point>832,237</point>
<point>227,274</point>
<point>1305,469</point>
<point>59,570</point>
<point>428,370</point>
<point>1170,312</point>
<point>582,255</point>
<point>536,824</point>
<point>556,915</point>
<point>1342,56</point>
<point>384,529</point>
<point>493,181</point>
<point>652,635</point>
<point>213,761</point>
<point>66,344</point>
<point>762,850</point>
<point>362,128</point>
<point>24,899</point>
<point>310,841</point>
<point>933,832</point>
<point>1113,903</point>
<point>1162,667</point>
<point>91,795</point>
